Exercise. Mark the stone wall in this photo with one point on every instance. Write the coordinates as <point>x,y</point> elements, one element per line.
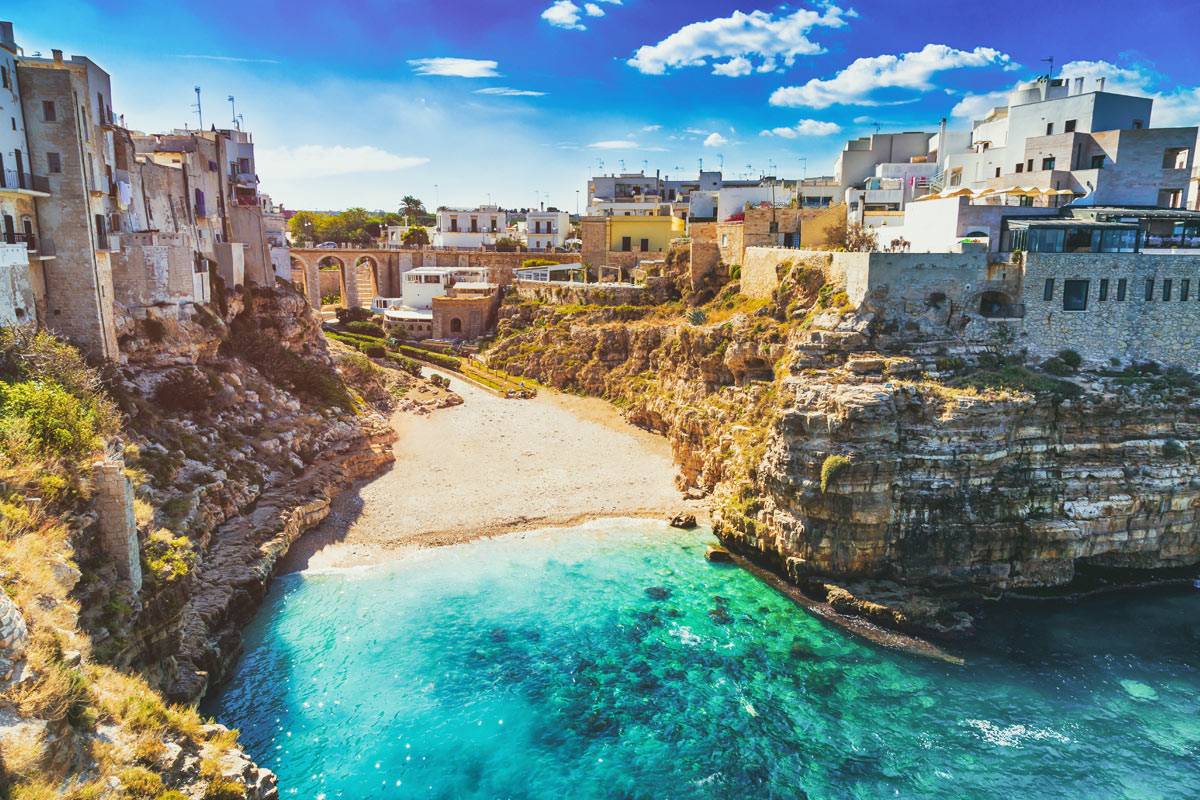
<point>118,528</point>
<point>16,290</point>
<point>152,269</point>
<point>1133,328</point>
<point>474,316</point>
<point>605,294</point>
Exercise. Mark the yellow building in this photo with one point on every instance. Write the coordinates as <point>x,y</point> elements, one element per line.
<point>632,234</point>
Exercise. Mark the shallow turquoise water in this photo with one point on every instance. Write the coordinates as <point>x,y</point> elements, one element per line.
<point>611,660</point>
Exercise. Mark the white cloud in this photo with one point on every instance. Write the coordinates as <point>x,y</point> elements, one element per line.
<point>855,84</point>
<point>615,144</point>
<point>1177,107</point>
<point>230,58</point>
<point>806,127</point>
<point>593,10</point>
<point>455,67</point>
<point>650,128</point>
<point>863,120</point>
<point>739,35</point>
<point>715,140</point>
<point>734,68</point>
<point>319,161</point>
<point>505,91</point>
<point>564,14</point>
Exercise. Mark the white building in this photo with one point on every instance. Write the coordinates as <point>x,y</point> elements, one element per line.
<point>418,287</point>
<point>470,228</point>
<point>546,229</point>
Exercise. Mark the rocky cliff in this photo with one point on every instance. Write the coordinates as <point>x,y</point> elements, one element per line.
<point>882,463</point>
<point>235,425</point>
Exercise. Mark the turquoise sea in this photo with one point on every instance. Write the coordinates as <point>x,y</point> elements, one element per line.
<point>610,660</point>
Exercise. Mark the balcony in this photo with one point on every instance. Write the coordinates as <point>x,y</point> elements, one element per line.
<point>14,182</point>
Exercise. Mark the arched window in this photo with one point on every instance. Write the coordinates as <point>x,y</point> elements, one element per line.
<point>456,325</point>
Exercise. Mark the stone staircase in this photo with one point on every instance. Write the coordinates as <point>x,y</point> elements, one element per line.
<point>366,286</point>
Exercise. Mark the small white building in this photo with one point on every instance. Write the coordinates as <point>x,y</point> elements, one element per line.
<point>470,228</point>
<point>418,287</point>
<point>546,229</point>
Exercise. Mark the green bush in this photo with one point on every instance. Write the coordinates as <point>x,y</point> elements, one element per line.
<point>735,271</point>
<point>832,467</point>
<point>55,422</point>
<point>989,361</point>
<point>312,378</point>
<point>184,390</point>
<point>951,364</point>
<point>446,362</point>
<point>141,783</point>
<point>347,315</point>
<point>537,262</point>
<point>356,368</point>
<point>366,329</point>
<point>1071,358</point>
<point>373,350</point>
<point>331,297</point>
<point>407,364</point>
<point>1056,366</point>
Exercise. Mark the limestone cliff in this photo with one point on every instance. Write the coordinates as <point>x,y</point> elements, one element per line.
<point>879,461</point>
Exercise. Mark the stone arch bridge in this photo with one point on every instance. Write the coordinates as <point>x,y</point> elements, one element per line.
<point>362,273</point>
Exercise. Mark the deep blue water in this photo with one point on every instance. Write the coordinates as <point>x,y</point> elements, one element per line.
<point>611,660</point>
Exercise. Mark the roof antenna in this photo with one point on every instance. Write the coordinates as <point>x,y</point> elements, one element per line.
<point>233,106</point>
<point>1051,60</point>
<point>199,111</point>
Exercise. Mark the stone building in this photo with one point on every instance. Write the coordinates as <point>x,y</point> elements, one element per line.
<point>70,127</point>
<point>22,249</point>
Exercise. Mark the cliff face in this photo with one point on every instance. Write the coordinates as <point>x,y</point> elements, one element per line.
<point>951,472</point>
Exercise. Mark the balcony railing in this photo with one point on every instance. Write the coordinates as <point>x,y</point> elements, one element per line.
<point>14,179</point>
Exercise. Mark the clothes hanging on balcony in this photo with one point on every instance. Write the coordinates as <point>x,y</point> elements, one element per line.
<point>124,194</point>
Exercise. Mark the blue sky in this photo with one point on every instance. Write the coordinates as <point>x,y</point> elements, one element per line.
<point>362,103</point>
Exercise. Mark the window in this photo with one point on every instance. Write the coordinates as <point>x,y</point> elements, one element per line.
<point>1175,158</point>
<point>645,245</point>
<point>1103,289</point>
<point>1048,292</point>
<point>1049,128</point>
<point>1170,198</point>
<point>474,225</point>
<point>4,78</point>
<point>774,227</point>
<point>1121,284</point>
<point>454,224</point>
<point>1029,165</point>
<point>1020,167</point>
<point>1069,126</point>
<point>956,176</point>
<point>1097,162</point>
<point>1149,288</point>
<point>997,172</point>
<point>1166,289</point>
<point>48,113</point>
<point>1184,286</point>
<point>244,165</point>
<point>1137,124</point>
<point>1075,295</point>
<point>101,233</point>
<point>1048,163</point>
<point>626,244</point>
<point>53,163</point>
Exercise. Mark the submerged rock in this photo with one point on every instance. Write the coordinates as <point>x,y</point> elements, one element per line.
<point>717,554</point>
<point>683,520</point>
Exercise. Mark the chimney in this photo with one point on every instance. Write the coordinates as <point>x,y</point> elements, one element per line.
<point>1079,86</point>
<point>1099,84</point>
<point>58,59</point>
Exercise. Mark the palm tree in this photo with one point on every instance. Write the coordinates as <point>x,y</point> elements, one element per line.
<point>411,206</point>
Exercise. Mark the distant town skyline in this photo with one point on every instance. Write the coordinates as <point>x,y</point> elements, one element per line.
<point>359,106</point>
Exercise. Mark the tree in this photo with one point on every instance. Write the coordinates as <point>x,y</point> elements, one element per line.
<point>304,226</point>
<point>851,236</point>
<point>411,206</point>
<point>415,236</point>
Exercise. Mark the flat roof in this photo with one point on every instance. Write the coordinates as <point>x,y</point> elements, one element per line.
<point>1074,222</point>
<point>1134,211</point>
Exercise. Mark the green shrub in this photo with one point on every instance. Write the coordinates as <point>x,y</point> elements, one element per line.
<point>140,783</point>
<point>373,350</point>
<point>446,362</point>
<point>347,315</point>
<point>184,390</point>
<point>308,377</point>
<point>51,419</point>
<point>440,380</point>
<point>989,361</point>
<point>832,467</point>
<point>697,317</point>
<point>363,328</point>
<point>951,364</point>
<point>537,262</point>
<point>407,364</point>
<point>1056,366</point>
<point>735,271</point>
<point>1071,358</point>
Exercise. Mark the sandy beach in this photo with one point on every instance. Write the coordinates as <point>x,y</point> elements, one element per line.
<point>491,466</point>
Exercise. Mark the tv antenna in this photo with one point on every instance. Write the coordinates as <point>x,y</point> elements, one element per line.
<point>233,108</point>
<point>1051,60</point>
<point>720,161</point>
<point>622,165</point>
<point>199,111</point>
